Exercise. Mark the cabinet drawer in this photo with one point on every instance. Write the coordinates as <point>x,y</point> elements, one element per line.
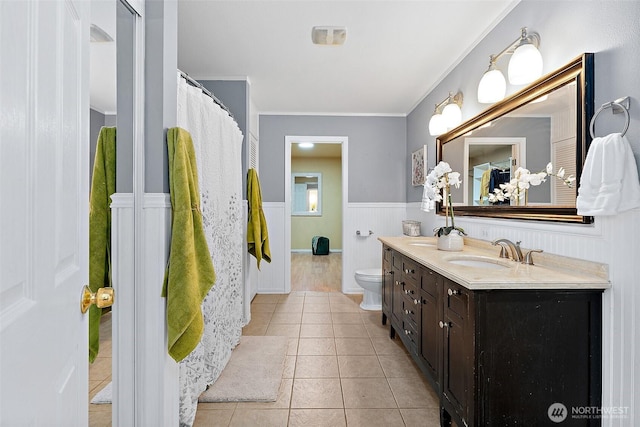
<point>410,271</point>
<point>429,282</point>
<point>387,253</point>
<point>410,336</point>
<point>410,309</point>
<point>456,299</point>
<point>397,260</point>
<point>410,290</point>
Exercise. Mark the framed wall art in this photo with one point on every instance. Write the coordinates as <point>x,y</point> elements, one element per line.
<point>419,166</point>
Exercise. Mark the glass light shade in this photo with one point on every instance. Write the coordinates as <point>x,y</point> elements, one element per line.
<point>437,125</point>
<point>525,65</point>
<point>492,87</point>
<point>452,115</point>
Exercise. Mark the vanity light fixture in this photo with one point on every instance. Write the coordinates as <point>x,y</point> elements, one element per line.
<point>447,115</point>
<point>525,66</point>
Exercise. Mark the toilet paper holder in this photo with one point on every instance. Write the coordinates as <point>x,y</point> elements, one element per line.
<point>359,233</point>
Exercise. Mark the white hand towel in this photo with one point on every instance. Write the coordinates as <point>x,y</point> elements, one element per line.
<point>609,181</point>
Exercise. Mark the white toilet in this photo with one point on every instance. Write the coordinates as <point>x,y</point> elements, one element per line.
<point>370,280</point>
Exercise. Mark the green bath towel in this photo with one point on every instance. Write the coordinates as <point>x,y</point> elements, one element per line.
<point>190,274</point>
<point>257,233</point>
<point>103,185</point>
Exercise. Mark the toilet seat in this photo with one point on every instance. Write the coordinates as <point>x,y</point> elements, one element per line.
<point>369,274</point>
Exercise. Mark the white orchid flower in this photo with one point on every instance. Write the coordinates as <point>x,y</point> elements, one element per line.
<point>454,179</point>
<point>537,178</point>
<point>442,168</point>
<point>550,168</point>
<point>560,173</point>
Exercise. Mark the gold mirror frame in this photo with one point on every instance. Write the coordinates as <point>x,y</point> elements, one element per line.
<point>579,70</point>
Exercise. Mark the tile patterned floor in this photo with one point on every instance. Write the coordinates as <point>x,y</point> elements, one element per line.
<point>341,369</point>
<point>100,376</point>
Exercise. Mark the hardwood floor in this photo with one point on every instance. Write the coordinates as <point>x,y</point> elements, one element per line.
<point>322,273</point>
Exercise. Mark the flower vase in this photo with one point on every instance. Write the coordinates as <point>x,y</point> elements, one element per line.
<point>519,199</point>
<point>451,242</point>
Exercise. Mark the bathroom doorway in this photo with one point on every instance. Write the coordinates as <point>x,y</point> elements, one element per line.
<point>315,206</point>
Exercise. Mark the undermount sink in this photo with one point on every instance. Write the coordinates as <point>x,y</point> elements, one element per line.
<point>421,244</point>
<point>478,262</point>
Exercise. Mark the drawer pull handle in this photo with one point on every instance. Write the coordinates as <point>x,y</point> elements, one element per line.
<point>408,312</point>
<point>416,301</point>
<point>444,324</point>
<point>408,291</point>
<point>409,271</point>
<point>452,292</point>
<point>406,332</point>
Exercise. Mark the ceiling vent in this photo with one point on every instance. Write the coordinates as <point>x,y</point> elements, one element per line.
<point>332,36</point>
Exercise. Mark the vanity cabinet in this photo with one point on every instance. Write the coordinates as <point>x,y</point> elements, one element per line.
<point>387,282</point>
<point>499,356</point>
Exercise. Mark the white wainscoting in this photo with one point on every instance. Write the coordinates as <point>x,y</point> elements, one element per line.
<point>364,251</point>
<point>272,277</point>
<point>140,359</point>
<point>384,219</point>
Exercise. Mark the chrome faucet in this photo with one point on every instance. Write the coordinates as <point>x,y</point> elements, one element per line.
<point>516,253</point>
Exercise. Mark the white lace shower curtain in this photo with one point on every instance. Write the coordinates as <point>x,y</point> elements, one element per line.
<point>217,142</point>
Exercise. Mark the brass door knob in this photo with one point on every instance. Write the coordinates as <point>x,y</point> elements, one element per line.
<point>104,297</point>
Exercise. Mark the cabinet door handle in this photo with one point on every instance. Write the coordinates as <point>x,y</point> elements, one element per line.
<point>397,282</point>
<point>408,312</point>
<point>408,291</point>
<point>406,332</point>
<point>444,324</point>
<point>409,270</point>
<point>453,292</point>
<point>388,272</point>
<point>416,301</point>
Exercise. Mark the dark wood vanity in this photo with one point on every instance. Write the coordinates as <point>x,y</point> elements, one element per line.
<point>497,357</point>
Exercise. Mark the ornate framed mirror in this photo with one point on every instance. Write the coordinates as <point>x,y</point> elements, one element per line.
<point>547,121</point>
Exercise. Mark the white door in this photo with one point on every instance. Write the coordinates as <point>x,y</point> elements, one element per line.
<point>44,189</point>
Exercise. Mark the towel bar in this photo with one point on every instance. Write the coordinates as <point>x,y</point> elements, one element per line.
<point>621,105</point>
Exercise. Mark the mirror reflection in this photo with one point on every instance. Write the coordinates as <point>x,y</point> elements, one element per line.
<point>306,193</point>
<point>542,124</point>
<point>531,136</point>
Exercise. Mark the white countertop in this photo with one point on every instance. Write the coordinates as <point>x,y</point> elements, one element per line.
<point>549,272</point>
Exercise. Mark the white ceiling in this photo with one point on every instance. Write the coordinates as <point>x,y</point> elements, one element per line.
<point>396,51</point>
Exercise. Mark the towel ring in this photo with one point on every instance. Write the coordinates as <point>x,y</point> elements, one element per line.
<point>616,106</point>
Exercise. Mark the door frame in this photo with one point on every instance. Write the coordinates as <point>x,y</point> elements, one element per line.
<point>288,141</point>
<point>127,390</point>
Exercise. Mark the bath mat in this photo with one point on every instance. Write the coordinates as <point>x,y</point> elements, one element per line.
<point>253,373</point>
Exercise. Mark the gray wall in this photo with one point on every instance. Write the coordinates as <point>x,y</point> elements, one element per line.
<point>161,90</point>
<point>377,153</point>
<point>96,121</point>
<point>125,24</point>
<point>567,29</point>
